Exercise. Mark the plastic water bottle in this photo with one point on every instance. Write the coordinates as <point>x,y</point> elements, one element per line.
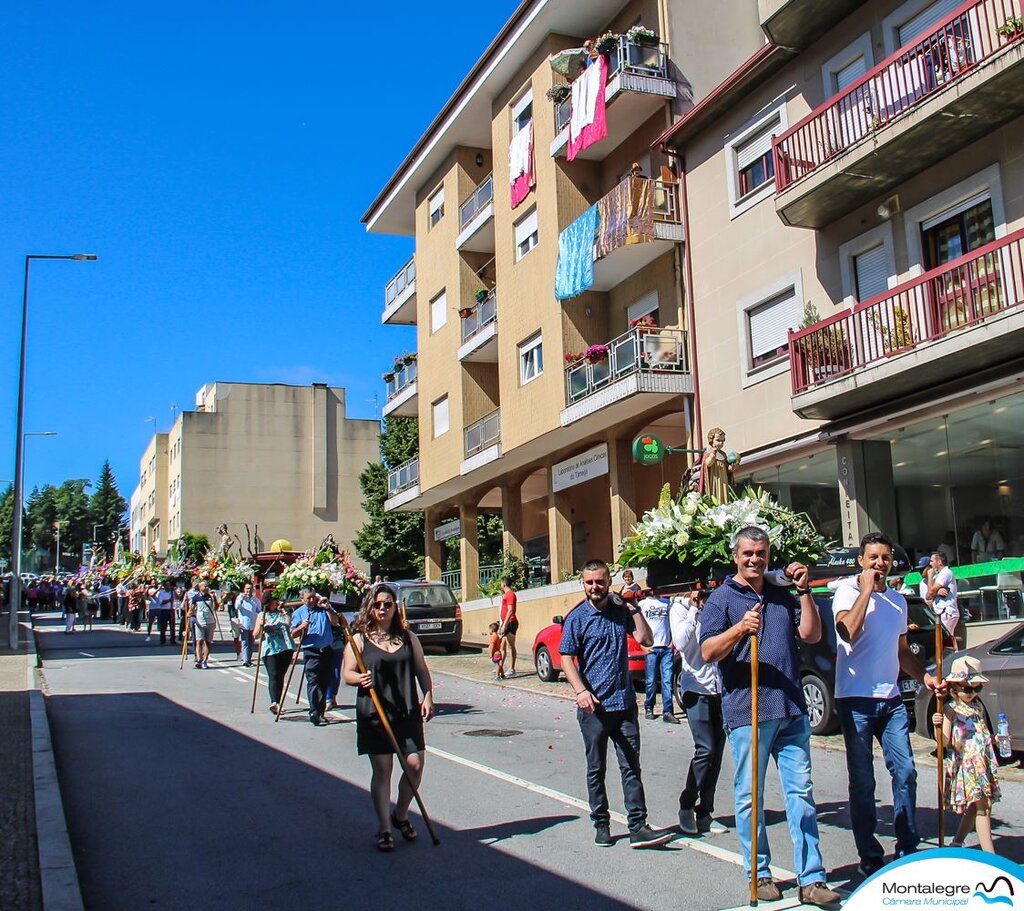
<point>1003,736</point>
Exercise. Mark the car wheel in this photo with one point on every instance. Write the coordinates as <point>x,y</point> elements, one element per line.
<point>545,669</point>
<point>453,648</point>
<point>820,705</point>
<point>677,686</point>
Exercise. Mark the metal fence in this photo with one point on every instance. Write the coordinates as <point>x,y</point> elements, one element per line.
<point>404,476</point>
<point>477,202</point>
<point>485,313</point>
<point>483,433</point>
<point>639,350</point>
<point>405,277</point>
<point>402,380</point>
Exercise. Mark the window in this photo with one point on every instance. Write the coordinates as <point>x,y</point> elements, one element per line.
<point>439,412</point>
<point>646,306</point>
<point>754,164</point>
<point>845,68</point>
<point>867,264</point>
<point>871,272</point>
<point>763,322</point>
<point>435,207</point>
<point>526,233</point>
<point>913,19</point>
<point>438,311</point>
<point>531,359</point>
<point>522,111</point>
<point>750,170</point>
<point>957,231</point>
<point>846,76</point>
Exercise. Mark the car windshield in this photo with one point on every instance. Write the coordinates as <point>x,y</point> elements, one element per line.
<point>920,615</point>
<point>429,595</point>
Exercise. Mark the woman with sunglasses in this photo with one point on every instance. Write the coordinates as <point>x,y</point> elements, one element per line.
<point>394,664</point>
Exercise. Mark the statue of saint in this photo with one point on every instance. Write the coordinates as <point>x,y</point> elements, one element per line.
<point>224,545</point>
<point>712,475</point>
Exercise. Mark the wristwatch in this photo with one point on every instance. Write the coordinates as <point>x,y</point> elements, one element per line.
<point>803,591</point>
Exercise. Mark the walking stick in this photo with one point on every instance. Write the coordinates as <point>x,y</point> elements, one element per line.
<point>255,681</point>
<point>391,734</point>
<point>184,639</point>
<point>288,684</point>
<point>755,767</point>
<point>938,732</point>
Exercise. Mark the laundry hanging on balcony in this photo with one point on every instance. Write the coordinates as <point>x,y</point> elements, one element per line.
<point>626,215</point>
<point>520,164</point>
<point>574,273</point>
<point>588,123</point>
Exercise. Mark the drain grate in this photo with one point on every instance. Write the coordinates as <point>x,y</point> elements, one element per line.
<point>492,732</point>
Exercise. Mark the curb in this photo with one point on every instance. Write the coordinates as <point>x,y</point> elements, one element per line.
<point>57,872</point>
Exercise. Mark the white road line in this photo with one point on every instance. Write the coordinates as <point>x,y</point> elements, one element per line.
<point>87,655</point>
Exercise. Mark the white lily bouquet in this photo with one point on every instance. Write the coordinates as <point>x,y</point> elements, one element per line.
<point>324,572</point>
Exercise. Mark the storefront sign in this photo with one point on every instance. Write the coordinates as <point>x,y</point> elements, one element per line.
<point>648,450</point>
<point>587,465</point>
<point>450,529</point>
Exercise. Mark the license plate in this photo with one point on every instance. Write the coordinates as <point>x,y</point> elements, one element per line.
<point>428,626</point>
<point>909,686</point>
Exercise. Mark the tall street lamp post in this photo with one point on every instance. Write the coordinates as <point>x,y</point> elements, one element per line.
<point>19,477</point>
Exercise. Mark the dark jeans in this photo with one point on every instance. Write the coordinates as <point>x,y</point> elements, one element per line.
<point>885,720</point>
<point>658,669</point>
<point>164,620</point>
<point>122,609</point>
<point>704,715</point>
<point>333,689</point>
<point>622,729</point>
<point>135,618</point>
<point>318,677</point>
<point>277,668</point>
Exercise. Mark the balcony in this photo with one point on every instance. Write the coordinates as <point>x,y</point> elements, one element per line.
<point>400,297</point>
<point>482,441</point>
<point>403,484</point>
<point>480,332</point>
<point>617,254</point>
<point>953,321</point>
<point>916,108</point>
<point>476,219</point>
<point>797,23</point>
<point>402,400</point>
<point>649,363</point>
<point>638,87</point>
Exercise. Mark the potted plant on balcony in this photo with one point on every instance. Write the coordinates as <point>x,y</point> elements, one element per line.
<point>639,34</point>
<point>897,333</point>
<point>1011,28</point>
<point>826,353</point>
<point>409,358</point>
<point>388,377</point>
<point>596,353</point>
<point>466,312</point>
<point>644,323</point>
<point>558,93</point>
<point>608,42</point>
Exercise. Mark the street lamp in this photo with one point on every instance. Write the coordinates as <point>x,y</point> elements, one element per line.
<point>19,442</point>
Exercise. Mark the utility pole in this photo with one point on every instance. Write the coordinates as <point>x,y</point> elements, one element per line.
<point>56,562</point>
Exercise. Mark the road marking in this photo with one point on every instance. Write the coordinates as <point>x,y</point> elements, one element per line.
<point>87,655</point>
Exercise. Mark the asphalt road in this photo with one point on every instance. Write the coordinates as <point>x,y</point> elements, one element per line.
<point>178,798</point>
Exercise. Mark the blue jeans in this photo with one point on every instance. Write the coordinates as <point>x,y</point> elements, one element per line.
<point>864,719</point>
<point>789,742</point>
<point>247,642</point>
<point>658,664</point>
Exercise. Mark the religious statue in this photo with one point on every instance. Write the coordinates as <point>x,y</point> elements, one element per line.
<point>224,545</point>
<point>118,549</point>
<point>712,473</point>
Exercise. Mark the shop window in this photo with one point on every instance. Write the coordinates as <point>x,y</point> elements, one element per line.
<point>531,359</point>
<point>527,234</point>
<point>435,207</point>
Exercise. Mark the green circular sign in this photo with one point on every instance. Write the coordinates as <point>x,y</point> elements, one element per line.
<point>648,449</point>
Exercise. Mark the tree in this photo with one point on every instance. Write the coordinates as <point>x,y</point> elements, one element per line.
<point>391,542</point>
<point>108,510</point>
<point>190,547</point>
<point>40,514</point>
<point>6,522</point>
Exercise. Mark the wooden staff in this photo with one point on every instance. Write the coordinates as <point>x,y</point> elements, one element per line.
<point>184,639</point>
<point>379,706</point>
<point>938,731</point>
<point>298,686</point>
<point>755,767</point>
<point>256,679</point>
<point>288,683</point>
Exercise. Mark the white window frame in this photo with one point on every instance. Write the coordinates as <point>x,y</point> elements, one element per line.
<point>987,179</point>
<point>776,110</point>
<point>435,202</point>
<point>899,17</point>
<point>525,350</point>
<point>438,409</point>
<point>535,233</point>
<point>438,304</point>
<point>750,375</point>
<point>880,234</point>
<point>518,106</point>
<point>861,47</point>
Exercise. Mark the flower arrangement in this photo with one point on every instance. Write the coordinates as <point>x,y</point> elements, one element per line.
<point>595,353</point>
<point>639,34</point>
<point>1011,28</point>
<point>558,93</point>
<point>232,574</point>
<point>481,295</point>
<point>208,571</point>
<point>698,531</point>
<point>324,572</point>
<point>643,322</point>
<point>607,42</point>
<point>409,357</point>
<point>388,377</point>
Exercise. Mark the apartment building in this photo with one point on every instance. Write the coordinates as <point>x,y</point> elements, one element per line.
<point>856,199</point>
<point>512,416</point>
<point>281,459</point>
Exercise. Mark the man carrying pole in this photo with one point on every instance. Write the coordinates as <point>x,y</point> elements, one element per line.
<point>744,607</point>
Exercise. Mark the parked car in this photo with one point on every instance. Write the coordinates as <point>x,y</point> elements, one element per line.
<point>432,612</point>
<point>818,661</point>
<point>548,661</point>
<point>1002,661</point>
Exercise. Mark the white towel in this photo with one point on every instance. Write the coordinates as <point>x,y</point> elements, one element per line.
<point>520,150</point>
<point>584,99</point>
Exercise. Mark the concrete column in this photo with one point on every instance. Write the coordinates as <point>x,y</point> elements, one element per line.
<point>622,490</point>
<point>867,498</point>
<point>469,553</point>
<point>433,551</point>
<point>559,532</point>
<point>318,445</point>
<point>512,518</point>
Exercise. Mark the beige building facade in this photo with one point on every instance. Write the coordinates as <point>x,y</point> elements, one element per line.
<point>284,460</point>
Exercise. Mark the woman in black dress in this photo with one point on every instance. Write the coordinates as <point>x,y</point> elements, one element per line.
<point>394,665</point>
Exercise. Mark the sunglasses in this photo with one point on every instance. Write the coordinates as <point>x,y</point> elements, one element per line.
<point>971,689</point>
<point>383,603</point>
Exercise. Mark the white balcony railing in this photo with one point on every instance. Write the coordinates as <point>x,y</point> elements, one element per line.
<point>483,433</point>
<point>477,202</point>
<point>637,351</point>
<point>405,277</point>
<point>401,380</point>
<point>404,476</point>
<point>486,312</point>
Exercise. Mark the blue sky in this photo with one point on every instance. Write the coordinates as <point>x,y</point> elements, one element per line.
<point>217,158</point>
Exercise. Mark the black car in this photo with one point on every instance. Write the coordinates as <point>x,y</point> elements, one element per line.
<point>818,661</point>
<point>432,612</point>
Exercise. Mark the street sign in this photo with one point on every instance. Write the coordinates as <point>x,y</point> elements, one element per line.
<point>648,450</point>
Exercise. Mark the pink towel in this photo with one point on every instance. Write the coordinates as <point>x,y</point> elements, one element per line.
<point>597,128</point>
<point>521,165</point>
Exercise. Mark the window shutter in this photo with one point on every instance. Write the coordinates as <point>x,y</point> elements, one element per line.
<point>440,410</point>
<point>770,323</point>
<point>436,201</point>
<point>647,304</point>
<point>849,74</point>
<point>872,272</point>
<point>438,312</point>
<point>953,211</point>
<point>924,20</point>
<point>526,226</point>
<point>757,146</point>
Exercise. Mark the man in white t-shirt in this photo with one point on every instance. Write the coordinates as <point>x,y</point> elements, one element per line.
<point>658,664</point>
<point>871,646</point>
<point>938,588</point>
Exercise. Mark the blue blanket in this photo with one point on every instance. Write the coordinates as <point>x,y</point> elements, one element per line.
<point>574,273</point>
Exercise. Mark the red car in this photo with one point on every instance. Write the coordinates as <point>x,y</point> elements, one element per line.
<point>548,661</point>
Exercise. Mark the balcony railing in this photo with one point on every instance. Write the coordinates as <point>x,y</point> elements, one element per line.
<point>626,57</point>
<point>453,577</point>
<point>476,203</point>
<point>405,277</point>
<point>639,350</point>
<point>483,433</point>
<point>898,84</point>
<point>485,313</point>
<point>404,476</point>
<point>952,297</point>
<point>402,380</point>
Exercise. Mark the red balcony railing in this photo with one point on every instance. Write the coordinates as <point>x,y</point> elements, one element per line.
<point>954,296</point>
<point>975,32</point>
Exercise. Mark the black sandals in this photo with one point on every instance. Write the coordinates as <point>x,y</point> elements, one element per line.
<point>405,827</point>
<point>385,842</point>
